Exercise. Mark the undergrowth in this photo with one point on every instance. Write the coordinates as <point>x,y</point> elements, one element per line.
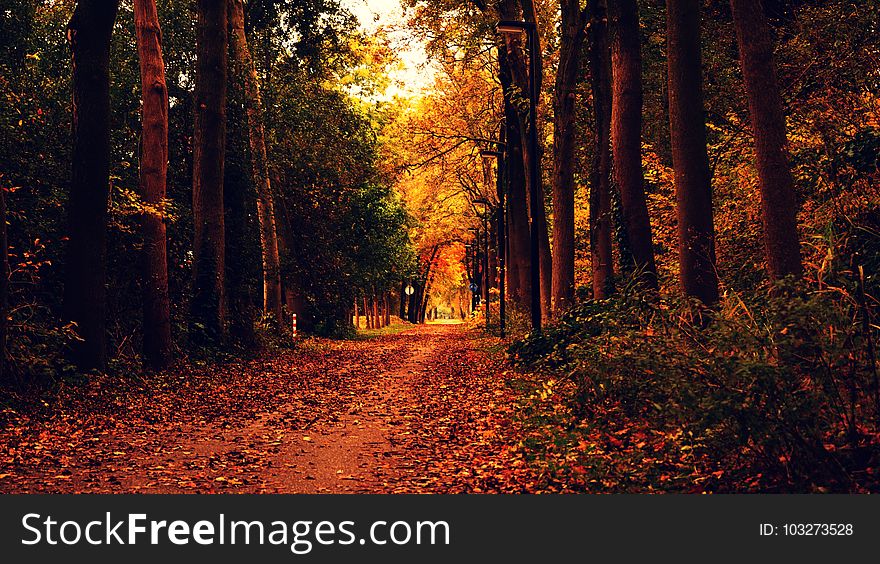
<point>778,393</point>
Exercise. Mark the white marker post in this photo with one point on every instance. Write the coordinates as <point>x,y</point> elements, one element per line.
<point>294,326</point>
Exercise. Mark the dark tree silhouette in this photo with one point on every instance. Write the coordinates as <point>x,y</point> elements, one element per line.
<point>85,292</point>
<point>778,200</point>
<point>519,261</point>
<point>693,180</point>
<point>573,33</point>
<point>153,174</point>
<point>209,137</point>
<point>272,300</point>
<point>600,185</point>
<point>626,135</point>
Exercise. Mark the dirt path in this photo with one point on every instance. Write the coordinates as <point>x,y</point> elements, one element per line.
<point>424,410</point>
<point>352,451</point>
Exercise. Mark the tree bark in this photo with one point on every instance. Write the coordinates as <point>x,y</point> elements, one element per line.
<point>778,199</point>
<point>626,136</point>
<point>5,379</point>
<point>693,180</point>
<point>564,128</point>
<point>403,300</point>
<point>85,292</point>
<point>367,319</point>
<point>209,137</point>
<point>272,298</point>
<point>602,259</point>
<point>519,261</point>
<point>239,222</point>
<point>357,316</point>
<point>412,306</point>
<point>539,215</point>
<point>377,317</point>
<point>153,174</point>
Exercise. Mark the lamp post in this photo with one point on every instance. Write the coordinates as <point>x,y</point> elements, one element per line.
<point>516,27</point>
<point>475,277</point>
<point>501,253</point>
<point>485,203</point>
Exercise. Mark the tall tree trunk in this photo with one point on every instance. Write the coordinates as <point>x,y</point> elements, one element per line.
<point>602,259</point>
<point>367,320</point>
<point>693,179</point>
<point>153,174</point>
<point>519,262</point>
<point>778,199</point>
<point>413,306</point>
<point>387,303</point>
<point>239,205</point>
<point>571,42</point>
<point>403,300</point>
<point>539,215</point>
<point>626,136</point>
<point>4,290</point>
<point>291,284</point>
<point>272,299</point>
<point>357,315</point>
<point>377,318</point>
<point>85,292</point>
<point>209,138</point>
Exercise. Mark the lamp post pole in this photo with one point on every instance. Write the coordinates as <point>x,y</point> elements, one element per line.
<point>501,218</point>
<point>531,31</point>
<point>485,278</point>
<point>475,267</point>
<point>502,246</point>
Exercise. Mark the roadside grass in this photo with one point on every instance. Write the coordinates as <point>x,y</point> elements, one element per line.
<point>397,326</point>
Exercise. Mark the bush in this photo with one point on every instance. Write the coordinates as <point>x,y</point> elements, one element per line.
<point>785,386</point>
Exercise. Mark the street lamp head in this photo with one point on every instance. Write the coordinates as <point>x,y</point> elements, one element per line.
<point>512,26</point>
<point>490,154</point>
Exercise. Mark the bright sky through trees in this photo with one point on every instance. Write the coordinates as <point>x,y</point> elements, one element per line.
<point>416,75</point>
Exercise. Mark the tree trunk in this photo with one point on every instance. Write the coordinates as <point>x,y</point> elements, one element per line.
<point>564,142</point>
<point>368,322</point>
<point>291,285</point>
<point>626,136</point>
<point>377,311</point>
<point>5,379</point>
<point>413,307</point>
<point>602,259</point>
<point>403,300</point>
<point>387,309</point>
<point>693,180</point>
<point>85,296</point>
<point>209,137</point>
<point>519,262</point>
<point>239,205</point>
<point>272,299</point>
<point>539,215</point>
<point>153,174</point>
<point>426,295</point>
<point>778,199</point>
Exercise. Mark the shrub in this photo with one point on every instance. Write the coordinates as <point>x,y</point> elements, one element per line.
<point>786,384</point>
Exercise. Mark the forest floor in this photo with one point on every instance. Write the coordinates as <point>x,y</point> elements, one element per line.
<point>422,409</point>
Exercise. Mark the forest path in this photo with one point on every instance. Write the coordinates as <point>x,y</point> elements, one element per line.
<point>426,409</point>
<point>354,450</point>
